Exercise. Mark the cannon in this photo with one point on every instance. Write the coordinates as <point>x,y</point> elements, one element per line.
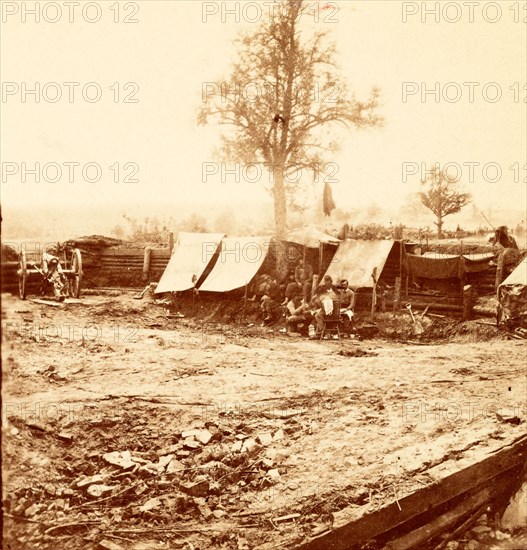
<point>70,273</point>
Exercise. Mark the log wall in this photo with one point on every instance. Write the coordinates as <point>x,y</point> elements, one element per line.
<point>120,267</point>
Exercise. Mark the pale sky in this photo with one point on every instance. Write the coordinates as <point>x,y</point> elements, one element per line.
<point>171,52</point>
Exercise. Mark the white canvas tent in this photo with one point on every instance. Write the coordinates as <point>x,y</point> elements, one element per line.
<point>355,260</point>
<point>239,260</point>
<point>192,254</point>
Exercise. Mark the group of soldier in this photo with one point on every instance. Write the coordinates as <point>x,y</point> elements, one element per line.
<point>307,304</point>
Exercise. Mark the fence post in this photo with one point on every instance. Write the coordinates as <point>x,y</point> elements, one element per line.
<point>397,296</point>
<point>469,300</point>
<point>146,263</point>
<point>374,292</point>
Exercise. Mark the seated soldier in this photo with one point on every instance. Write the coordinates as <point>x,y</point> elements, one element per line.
<point>327,288</point>
<point>298,316</point>
<point>263,285</point>
<point>55,276</point>
<point>304,277</point>
<point>292,288</point>
<point>325,294</point>
<point>270,309</point>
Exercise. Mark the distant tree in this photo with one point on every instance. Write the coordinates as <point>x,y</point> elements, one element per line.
<point>118,231</point>
<point>194,224</point>
<point>283,95</point>
<point>442,195</point>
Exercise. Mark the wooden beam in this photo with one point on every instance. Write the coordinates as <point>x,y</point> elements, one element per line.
<point>346,534</point>
<point>421,535</point>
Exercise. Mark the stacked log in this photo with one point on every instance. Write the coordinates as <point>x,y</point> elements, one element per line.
<point>484,281</point>
<point>119,266</point>
<point>110,266</point>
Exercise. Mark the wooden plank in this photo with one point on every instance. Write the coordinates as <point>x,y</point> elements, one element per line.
<point>440,524</point>
<point>397,513</point>
<point>46,302</point>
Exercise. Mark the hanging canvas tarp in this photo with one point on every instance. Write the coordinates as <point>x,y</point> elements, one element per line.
<point>432,267</point>
<point>446,266</point>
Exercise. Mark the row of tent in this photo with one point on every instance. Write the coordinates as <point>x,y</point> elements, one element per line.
<point>212,262</point>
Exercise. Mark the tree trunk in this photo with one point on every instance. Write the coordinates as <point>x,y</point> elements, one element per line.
<point>281,155</point>
<point>280,212</point>
<point>439,224</point>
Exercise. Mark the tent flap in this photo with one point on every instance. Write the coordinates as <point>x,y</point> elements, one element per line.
<point>192,254</point>
<point>239,260</point>
<point>355,260</point>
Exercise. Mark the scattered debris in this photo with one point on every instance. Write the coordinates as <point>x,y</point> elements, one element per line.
<point>356,352</point>
<point>99,490</point>
<point>197,488</point>
<point>90,480</point>
<point>122,459</point>
<point>175,466</point>
<point>265,438</point>
<point>509,419</point>
<point>248,445</point>
<point>289,517</point>
<point>65,436</point>
<point>110,545</point>
<point>150,504</point>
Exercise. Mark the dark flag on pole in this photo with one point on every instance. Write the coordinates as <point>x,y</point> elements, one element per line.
<point>327,200</point>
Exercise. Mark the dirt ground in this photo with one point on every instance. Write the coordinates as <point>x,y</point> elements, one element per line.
<point>123,428</point>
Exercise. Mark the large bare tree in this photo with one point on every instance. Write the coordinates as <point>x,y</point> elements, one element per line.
<point>442,195</point>
<point>280,101</point>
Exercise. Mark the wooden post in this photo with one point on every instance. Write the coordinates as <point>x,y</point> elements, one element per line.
<point>146,263</point>
<point>314,285</point>
<point>469,299</point>
<point>245,298</point>
<point>401,257</point>
<point>397,296</point>
<point>170,242</point>
<point>374,292</point>
<point>500,268</point>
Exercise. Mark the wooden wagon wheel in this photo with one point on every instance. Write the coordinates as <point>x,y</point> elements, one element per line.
<point>22,276</point>
<point>76,271</point>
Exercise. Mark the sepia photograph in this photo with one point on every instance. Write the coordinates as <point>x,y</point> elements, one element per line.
<point>263,274</point>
